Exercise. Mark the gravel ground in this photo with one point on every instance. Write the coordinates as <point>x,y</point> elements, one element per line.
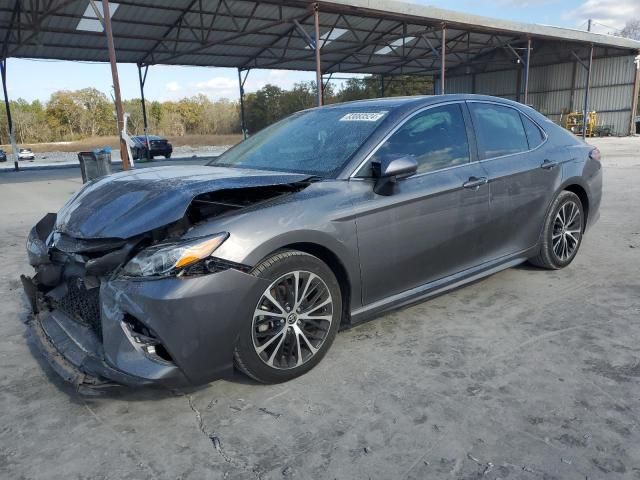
<point>528,374</point>
<point>72,157</point>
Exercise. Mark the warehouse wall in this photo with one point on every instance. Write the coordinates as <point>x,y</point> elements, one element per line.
<point>557,89</point>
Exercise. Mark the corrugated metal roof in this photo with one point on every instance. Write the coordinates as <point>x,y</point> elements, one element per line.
<point>263,34</point>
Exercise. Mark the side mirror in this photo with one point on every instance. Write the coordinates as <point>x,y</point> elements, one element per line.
<point>388,170</point>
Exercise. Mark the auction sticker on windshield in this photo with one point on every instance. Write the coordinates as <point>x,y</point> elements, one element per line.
<point>363,117</point>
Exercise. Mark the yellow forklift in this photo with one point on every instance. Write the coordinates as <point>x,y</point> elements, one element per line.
<point>574,122</point>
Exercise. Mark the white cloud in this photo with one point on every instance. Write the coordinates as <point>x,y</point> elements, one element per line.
<point>608,15</point>
<point>174,87</point>
<point>216,84</point>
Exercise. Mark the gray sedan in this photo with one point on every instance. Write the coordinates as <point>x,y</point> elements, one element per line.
<point>323,220</point>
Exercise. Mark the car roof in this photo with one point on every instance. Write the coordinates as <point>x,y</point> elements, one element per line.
<point>151,137</point>
<point>418,101</point>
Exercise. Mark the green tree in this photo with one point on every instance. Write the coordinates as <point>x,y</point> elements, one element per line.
<point>97,118</point>
<point>64,114</point>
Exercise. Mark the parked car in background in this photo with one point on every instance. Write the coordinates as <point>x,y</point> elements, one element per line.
<point>3,156</point>
<point>324,219</point>
<point>26,154</point>
<point>638,125</point>
<point>160,147</point>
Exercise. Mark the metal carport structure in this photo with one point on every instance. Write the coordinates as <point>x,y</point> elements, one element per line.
<point>380,37</point>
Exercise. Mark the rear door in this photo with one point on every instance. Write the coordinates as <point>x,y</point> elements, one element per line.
<point>430,227</point>
<point>524,172</point>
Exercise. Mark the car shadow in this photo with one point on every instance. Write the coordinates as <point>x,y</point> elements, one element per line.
<point>526,266</point>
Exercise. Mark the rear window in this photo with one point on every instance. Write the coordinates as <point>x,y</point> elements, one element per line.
<point>499,130</point>
<point>534,134</point>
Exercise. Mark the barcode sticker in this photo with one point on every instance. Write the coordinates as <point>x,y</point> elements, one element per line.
<point>363,117</point>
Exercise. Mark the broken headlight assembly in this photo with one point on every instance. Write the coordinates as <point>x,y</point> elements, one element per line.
<point>171,259</point>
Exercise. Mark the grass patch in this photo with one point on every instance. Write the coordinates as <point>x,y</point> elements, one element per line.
<point>98,142</point>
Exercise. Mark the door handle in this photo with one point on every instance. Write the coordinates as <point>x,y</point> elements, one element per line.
<point>475,182</point>
<point>548,165</point>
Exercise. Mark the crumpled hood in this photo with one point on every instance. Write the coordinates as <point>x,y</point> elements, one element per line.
<point>129,203</point>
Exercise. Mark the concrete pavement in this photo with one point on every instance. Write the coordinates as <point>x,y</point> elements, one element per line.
<point>528,374</point>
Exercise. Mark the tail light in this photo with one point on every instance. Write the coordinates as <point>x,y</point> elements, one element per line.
<point>595,154</point>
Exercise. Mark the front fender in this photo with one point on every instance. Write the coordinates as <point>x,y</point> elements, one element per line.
<point>341,242</point>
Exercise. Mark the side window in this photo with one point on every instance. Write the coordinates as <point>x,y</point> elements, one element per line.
<point>534,134</point>
<point>436,138</point>
<point>499,130</point>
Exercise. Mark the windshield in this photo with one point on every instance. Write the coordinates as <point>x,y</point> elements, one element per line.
<point>316,142</point>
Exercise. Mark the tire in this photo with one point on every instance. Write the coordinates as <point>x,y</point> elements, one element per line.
<point>555,236</point>
<point>167,156</point>
<point>270,347</point>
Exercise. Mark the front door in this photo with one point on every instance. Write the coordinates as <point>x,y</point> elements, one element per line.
<point>432,225</point>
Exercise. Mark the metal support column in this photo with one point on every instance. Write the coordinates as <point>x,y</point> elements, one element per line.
<point>143,79</point>
<point>316,21</point>
<point>586,94</point>
<point>116,82</point>
<point>636,92</point>
<point>526,73</point>
<point>241,82</point>
<point>382,86</point>
<point>7,106</point>
<point>325,84</point>
<point>572,96</point>
<point>443,54</point>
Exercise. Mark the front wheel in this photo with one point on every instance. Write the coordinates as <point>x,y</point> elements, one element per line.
<point>295,319</point>
<point>562,234</point>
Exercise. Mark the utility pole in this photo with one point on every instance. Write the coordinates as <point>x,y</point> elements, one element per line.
<point>443,55</point>
<point>316,21</point>
<point>124,154</point>
<point>7,105</point>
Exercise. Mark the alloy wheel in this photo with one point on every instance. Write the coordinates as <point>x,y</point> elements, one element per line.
<point>567,228</point>
<point>292,320</point>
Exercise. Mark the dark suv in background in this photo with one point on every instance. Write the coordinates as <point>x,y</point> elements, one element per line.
<point>159,147</point>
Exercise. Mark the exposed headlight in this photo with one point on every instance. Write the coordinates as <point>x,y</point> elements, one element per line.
<point>169,258</point>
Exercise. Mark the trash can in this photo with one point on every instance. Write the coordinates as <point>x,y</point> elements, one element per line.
<point>95,164</point>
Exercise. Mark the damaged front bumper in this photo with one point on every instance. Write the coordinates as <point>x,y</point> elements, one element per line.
<point>100,330</point>
<point>195,321</point>
<point>74,351</point>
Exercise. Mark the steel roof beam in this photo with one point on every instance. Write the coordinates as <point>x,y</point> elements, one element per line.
<point>169,30</point>
<point>53,7</point>
<point>15,14</point>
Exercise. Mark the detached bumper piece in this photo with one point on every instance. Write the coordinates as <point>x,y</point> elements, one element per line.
<point>73,350</point>
<point>75,357</point>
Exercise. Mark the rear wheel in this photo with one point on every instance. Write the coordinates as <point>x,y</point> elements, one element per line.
<point>295,319</point>
<point>562,234</point>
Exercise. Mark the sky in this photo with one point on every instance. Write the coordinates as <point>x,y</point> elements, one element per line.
<point>37,79</point>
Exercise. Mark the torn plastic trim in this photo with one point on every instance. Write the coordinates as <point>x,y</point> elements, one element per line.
<point>75,363</point>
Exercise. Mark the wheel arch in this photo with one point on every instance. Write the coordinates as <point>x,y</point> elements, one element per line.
<point>336,255</point>
<point>581,192</point>
<point>337,267</point>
